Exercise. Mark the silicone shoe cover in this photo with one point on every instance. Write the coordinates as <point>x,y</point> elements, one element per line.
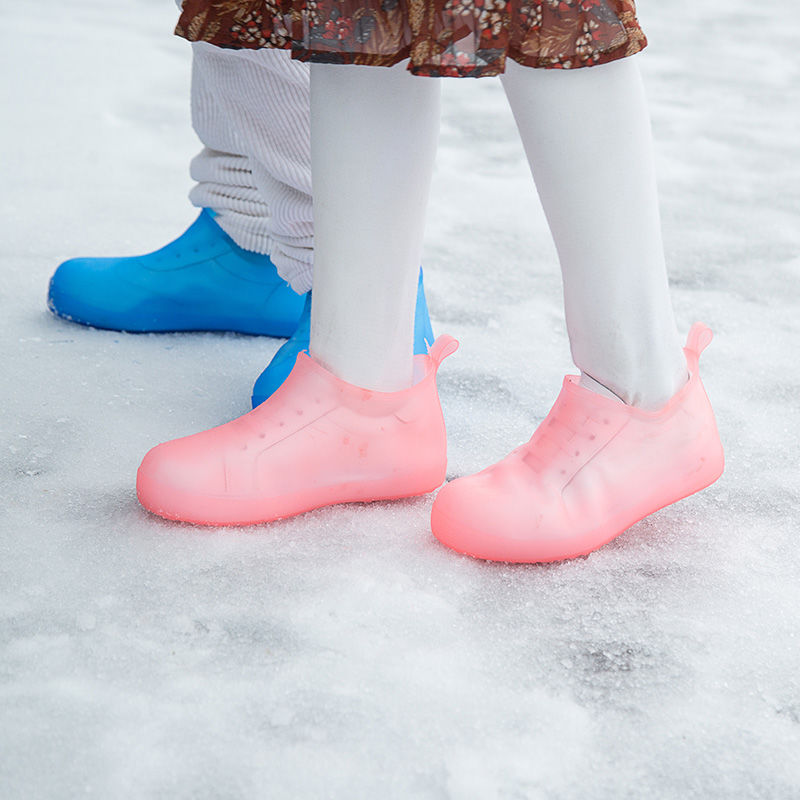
<point>203,281</point>
<point>317,441</point>
<point>283,361</point>
<point>592,469</point>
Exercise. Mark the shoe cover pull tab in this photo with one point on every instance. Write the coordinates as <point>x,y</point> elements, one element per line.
<point>443,347</point>
<point>699,338</point>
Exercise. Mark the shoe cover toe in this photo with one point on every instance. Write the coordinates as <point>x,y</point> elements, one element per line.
<point>87,290</point>
<point>70,283</point>
<point>173,475</point>
<point>463,515</point>
<point>499,515</point>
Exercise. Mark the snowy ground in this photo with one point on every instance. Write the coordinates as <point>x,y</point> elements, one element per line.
<point>344,653</point>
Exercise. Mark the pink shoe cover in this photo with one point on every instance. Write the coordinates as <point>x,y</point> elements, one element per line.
<point>592,469</point>
<point>317,441</point>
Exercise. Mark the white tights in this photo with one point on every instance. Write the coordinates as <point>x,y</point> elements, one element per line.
<point>587,137</point>
<point>373,143</point>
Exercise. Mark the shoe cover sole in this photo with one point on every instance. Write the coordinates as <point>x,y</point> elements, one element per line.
<point>144,320</point>
<point>459,537</point>
<point>231,511</point>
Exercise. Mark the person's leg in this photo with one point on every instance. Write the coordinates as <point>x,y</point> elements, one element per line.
<point>218,275</point>
<point>322,437</point>
<point>636,432</point>
<point>371,183</point>
<point>370,248</point>
<point>244,130</point>
<point>224,179</point>
<point>251,111</point>
<point>587,137</point>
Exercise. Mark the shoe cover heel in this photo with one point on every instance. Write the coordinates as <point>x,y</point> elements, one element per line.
<point>699,338</point>
<point>711,464</point>
<point>442,348</point>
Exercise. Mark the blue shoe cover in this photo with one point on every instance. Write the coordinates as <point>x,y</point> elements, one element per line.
<point>203,281</point>
<point>283,361</point>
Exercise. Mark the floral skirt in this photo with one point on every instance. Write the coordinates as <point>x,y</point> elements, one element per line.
<point>464,38</point>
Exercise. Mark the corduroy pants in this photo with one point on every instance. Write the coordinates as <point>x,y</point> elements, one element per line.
<point>250,109</point>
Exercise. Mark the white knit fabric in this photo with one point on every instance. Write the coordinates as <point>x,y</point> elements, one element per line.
<point>250,109</point>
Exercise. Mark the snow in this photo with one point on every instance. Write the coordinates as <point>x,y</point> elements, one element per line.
<point>345,653</point>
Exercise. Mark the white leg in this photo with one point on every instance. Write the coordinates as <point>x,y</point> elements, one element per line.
<point>588,140</point>
<point>374,134</point>
<point>251,111</point>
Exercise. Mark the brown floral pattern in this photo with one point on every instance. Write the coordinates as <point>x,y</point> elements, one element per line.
<point>440,37</point>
